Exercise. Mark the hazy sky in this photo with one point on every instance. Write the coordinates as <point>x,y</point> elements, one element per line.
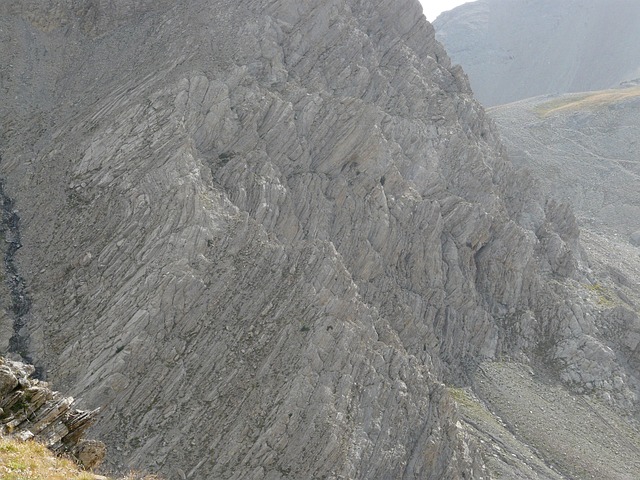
<point>433,8</point>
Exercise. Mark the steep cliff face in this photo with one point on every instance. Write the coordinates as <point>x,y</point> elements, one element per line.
<point>262,234</point>
<point>515,49</point>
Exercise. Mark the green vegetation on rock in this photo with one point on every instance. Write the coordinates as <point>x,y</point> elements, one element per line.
<point>591,100</point>
<point>33,461</point>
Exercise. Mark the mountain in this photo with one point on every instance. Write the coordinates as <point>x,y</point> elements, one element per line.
<point>279,239</point>
<point>583,149</point>
<point>516,49</point>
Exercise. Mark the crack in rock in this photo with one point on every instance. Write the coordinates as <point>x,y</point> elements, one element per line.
<point>20,300</point>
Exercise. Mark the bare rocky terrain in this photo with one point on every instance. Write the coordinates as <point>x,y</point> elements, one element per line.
<point>584,150</point>
<point>517,49</point>
<point>274,239</point>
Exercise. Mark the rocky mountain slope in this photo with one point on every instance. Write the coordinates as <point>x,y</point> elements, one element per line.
<point>275,239</point>
<point>584,150</point>
<point>516,49</point>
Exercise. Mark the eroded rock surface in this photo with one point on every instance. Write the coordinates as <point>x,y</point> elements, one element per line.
<point>263,235</point>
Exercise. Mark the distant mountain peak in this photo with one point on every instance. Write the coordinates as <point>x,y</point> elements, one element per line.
<point>518,49</point>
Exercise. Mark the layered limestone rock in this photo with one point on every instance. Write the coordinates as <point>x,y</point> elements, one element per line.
<point>262,234</point>
<point>29,409</point>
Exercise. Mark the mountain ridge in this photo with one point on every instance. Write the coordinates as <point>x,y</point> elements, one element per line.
<point>281,234</point>
<point>588,141</point>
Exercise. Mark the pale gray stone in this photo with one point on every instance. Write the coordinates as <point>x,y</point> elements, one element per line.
<point>303,230</point>
<point>31,410</point>
<point>8,380</point>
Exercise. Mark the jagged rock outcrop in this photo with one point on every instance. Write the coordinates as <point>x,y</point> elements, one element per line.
<point>264,236</point>
<point>29,409</point>
<point>516,49</point>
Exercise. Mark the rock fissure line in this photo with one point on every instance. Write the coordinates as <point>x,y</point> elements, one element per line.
<point>20,300</point>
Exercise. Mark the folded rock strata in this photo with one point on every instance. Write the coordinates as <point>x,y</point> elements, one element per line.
<point>262,235</point>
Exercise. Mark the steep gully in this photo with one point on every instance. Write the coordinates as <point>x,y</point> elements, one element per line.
<point>20,302</point>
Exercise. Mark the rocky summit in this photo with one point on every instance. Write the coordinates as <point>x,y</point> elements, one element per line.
<point>278,239</point>
<point>516,49</point>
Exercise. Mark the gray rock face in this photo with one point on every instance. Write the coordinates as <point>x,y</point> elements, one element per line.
<point>263,235</point>
<point>515,49</point>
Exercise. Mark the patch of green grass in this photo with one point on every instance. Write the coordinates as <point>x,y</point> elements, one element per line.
<point>551,106</point>
<point>7,447</point>
<point>33,461</point>
<point>604,296</point>
<point>586,100</point>
<point>469,407</point>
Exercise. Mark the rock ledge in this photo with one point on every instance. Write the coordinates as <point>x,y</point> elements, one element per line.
<point>29,409</point>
